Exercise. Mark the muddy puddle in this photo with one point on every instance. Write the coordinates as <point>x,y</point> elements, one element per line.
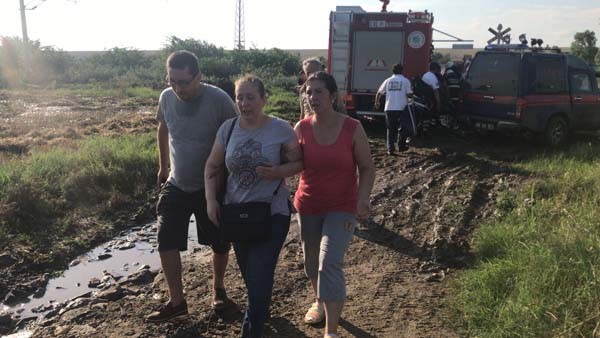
<point>99,269</point>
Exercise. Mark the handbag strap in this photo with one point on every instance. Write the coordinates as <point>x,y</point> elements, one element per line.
<point>229,134</point>
<point>227,143</point>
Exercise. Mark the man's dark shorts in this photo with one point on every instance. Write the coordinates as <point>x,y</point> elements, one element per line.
<point>174,209</point>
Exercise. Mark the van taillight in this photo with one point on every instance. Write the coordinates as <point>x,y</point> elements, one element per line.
<point>349,102</point>
<point>520,108</point>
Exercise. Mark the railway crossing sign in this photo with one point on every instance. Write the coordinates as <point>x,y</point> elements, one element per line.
<point>500,35</point>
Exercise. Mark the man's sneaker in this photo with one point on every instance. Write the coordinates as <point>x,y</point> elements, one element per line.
<point>219,299</point>
<point>167,311</point>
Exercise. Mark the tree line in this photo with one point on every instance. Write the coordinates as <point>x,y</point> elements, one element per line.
<point>47,66</point>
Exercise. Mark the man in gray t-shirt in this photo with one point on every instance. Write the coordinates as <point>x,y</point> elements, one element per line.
<point>189,115</point>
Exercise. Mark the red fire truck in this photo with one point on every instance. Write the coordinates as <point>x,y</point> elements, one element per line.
<point>363,46</point>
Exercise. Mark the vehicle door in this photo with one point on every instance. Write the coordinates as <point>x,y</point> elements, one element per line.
<point>585,99</point>
<point>491,86</point>
<point>585,96</point>
<point>545,89</point>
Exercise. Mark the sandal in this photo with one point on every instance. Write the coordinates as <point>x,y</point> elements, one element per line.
<point>315,314</point>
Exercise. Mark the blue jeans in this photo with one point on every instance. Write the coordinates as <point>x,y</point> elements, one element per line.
<point>400,124</point>
<point>257,261</point>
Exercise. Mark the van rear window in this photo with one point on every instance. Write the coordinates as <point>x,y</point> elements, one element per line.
<point>494,73</point>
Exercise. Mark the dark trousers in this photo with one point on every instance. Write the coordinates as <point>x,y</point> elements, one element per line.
<point>400,125</point>
<point>257,261</point>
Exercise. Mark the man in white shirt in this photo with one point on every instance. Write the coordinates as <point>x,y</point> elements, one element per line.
<point>432,80</point>
<point>397,89</point>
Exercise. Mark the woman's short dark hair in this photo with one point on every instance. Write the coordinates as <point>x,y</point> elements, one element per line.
<point>397,68</point>
<point>329,81</point>
<point>330,84</point>
<point>183,59</point>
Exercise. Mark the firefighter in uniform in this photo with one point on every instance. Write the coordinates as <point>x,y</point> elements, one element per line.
<point>452,82</point>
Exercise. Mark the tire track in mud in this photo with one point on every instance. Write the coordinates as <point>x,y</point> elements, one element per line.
<point>425,207</point>
<point>435,199</point>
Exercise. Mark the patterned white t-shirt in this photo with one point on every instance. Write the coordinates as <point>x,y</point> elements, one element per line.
<point>396,88</point>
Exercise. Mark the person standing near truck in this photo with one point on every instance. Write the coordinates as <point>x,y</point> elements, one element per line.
<point>432,78</point>
<point>399,121</point>
<point>452,80</point>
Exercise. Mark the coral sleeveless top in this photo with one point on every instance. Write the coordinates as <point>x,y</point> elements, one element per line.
<point>329,180</point>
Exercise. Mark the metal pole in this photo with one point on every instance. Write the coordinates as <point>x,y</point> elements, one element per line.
<point>239,43</point>
<point>25,39</point>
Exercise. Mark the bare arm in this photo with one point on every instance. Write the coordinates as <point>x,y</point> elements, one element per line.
<point>213,177</point>
<point>291,162</point>
<point>162,137</point>
<point>377,97</point>
<point>366,171</point>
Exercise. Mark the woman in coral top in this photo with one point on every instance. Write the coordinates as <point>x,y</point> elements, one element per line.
<point>330,196</point>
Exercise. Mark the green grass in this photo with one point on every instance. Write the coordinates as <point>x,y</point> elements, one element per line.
<point>283,104</point>
<point>537,271</point>
<point>45,195</point>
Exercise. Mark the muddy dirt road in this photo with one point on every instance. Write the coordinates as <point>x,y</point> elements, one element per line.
<point>426,203</point>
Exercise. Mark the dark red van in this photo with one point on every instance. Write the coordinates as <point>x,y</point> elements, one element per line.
<point>542,91</point>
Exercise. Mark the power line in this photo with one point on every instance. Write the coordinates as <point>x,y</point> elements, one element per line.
<point>27,7</point>
<point>34,7</point>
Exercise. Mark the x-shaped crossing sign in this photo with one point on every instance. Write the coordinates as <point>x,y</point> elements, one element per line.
<point>499,35</point>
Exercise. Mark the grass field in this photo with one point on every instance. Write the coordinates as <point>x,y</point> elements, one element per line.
<point>75,160</point>
<point>49,197</point>
<point>537,271</point>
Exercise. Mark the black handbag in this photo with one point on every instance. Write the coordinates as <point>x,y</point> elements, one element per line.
<point>245,222</point>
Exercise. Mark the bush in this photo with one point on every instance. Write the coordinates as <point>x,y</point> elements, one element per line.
<point>121,68</point>
<point>102,176</point>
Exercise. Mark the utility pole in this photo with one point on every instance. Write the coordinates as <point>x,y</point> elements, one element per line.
<point>25,39</point>
<point>240,36</point>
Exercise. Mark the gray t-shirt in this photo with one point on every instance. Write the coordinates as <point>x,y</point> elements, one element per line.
<point>192,128</point>
<point>248,149</point>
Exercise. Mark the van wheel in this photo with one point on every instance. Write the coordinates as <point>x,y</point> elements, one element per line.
<point>557,131</point>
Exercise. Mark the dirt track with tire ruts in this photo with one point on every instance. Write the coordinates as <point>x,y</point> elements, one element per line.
<point>426,203</point>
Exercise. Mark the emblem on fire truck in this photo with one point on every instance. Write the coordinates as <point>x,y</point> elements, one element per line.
<point>416,39</point>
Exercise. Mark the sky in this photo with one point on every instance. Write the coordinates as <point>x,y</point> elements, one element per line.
<point>79,25</point>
